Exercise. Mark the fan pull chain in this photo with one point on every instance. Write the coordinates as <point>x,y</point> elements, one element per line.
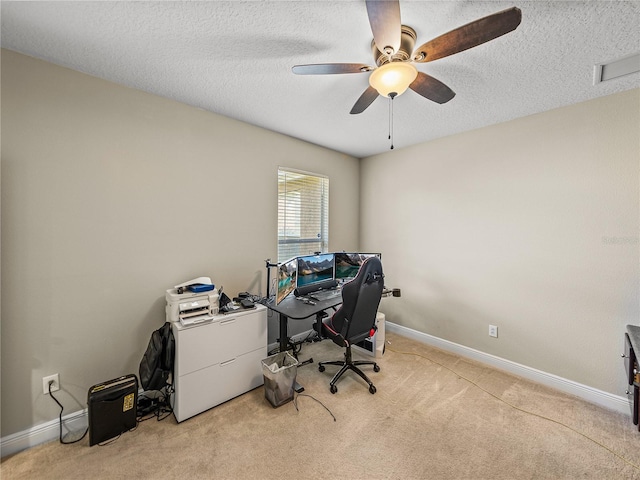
<point>392,95</point>
<point>389,103</point>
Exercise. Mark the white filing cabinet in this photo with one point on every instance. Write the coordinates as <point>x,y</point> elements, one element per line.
<point>218,360</point>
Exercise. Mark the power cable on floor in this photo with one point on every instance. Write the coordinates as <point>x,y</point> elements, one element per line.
<point>60,416</point>
<point>295,403</point>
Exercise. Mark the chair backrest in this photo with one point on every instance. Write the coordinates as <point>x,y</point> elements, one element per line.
<point>360,301</point>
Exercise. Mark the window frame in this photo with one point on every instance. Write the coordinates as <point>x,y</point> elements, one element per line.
<point>312,213</point>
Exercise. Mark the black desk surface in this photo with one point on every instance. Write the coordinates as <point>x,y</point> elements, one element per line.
<point>291,307</point>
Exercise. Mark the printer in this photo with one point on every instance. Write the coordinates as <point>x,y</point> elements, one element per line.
<point>192,302</point>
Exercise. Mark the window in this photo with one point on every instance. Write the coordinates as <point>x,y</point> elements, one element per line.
<point>303,213</point>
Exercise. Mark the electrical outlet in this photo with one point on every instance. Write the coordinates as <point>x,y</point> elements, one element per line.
<point>55,386</point>
<point>493,331</point>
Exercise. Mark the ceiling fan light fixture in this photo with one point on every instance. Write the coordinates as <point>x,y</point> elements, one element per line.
<point>394,77</point>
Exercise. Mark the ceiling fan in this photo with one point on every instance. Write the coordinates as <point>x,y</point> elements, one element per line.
<point>392,47</point>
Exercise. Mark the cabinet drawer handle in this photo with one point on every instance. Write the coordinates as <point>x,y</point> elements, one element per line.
<point>224,364</point>
<point>228,321</point>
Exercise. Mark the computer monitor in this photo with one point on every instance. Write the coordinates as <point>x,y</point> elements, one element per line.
<point>348,264</point>
<point>287,273</point>
<point>315,269</point>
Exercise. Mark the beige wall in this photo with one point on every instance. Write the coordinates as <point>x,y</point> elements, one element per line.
<point>109,197</point>
<point>530,225</point>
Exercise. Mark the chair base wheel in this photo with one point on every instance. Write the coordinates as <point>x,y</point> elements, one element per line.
<point>349,365</point>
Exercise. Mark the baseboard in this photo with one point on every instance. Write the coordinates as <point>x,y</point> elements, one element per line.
<point>590,394</point>
<point>45,432</point>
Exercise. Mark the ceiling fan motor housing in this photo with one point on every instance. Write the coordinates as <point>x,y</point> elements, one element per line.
<point>407,44</point>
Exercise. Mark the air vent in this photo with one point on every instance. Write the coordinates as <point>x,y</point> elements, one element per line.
<point>617,68</point>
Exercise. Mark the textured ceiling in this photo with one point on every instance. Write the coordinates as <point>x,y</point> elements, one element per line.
<point>235,57</point>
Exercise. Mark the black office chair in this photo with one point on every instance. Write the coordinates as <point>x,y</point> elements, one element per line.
<point>355,320</point>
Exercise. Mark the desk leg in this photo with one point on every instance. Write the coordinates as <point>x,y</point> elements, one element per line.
<point>284,333</point>
<point>284,344</point>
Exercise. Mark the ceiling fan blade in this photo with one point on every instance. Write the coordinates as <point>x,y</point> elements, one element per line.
<point>331,68</point>
<point>366,99</point>
<point>431,88</point>
<point>384,18</point>
<point>469,35</point>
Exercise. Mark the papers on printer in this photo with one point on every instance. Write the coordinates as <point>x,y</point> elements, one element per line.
<point>198,285</point>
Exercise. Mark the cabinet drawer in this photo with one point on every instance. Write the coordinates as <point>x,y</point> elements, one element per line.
<point>197,348</point>
<point>221,340</point>
<point>243,332</point>
<point>211,386</point>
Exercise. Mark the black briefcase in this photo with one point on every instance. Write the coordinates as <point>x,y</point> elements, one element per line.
<point>112,408</point>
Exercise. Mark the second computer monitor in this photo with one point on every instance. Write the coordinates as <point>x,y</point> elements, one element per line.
<point>348,264</point>
<point>315,269</point>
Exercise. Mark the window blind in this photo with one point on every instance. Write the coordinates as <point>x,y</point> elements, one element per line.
<point>303,213</point>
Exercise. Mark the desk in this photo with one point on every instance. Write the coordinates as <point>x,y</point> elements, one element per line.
<point>291,307</point>
<point>632,351</point>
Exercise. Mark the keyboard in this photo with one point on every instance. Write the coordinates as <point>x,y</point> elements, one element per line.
<point>323,295</point>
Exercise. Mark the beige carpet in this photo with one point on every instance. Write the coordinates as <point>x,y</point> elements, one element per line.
<point>425,422</point>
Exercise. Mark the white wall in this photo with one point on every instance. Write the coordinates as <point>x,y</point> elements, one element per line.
<point>109,197</point>
<point>530,225</point>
